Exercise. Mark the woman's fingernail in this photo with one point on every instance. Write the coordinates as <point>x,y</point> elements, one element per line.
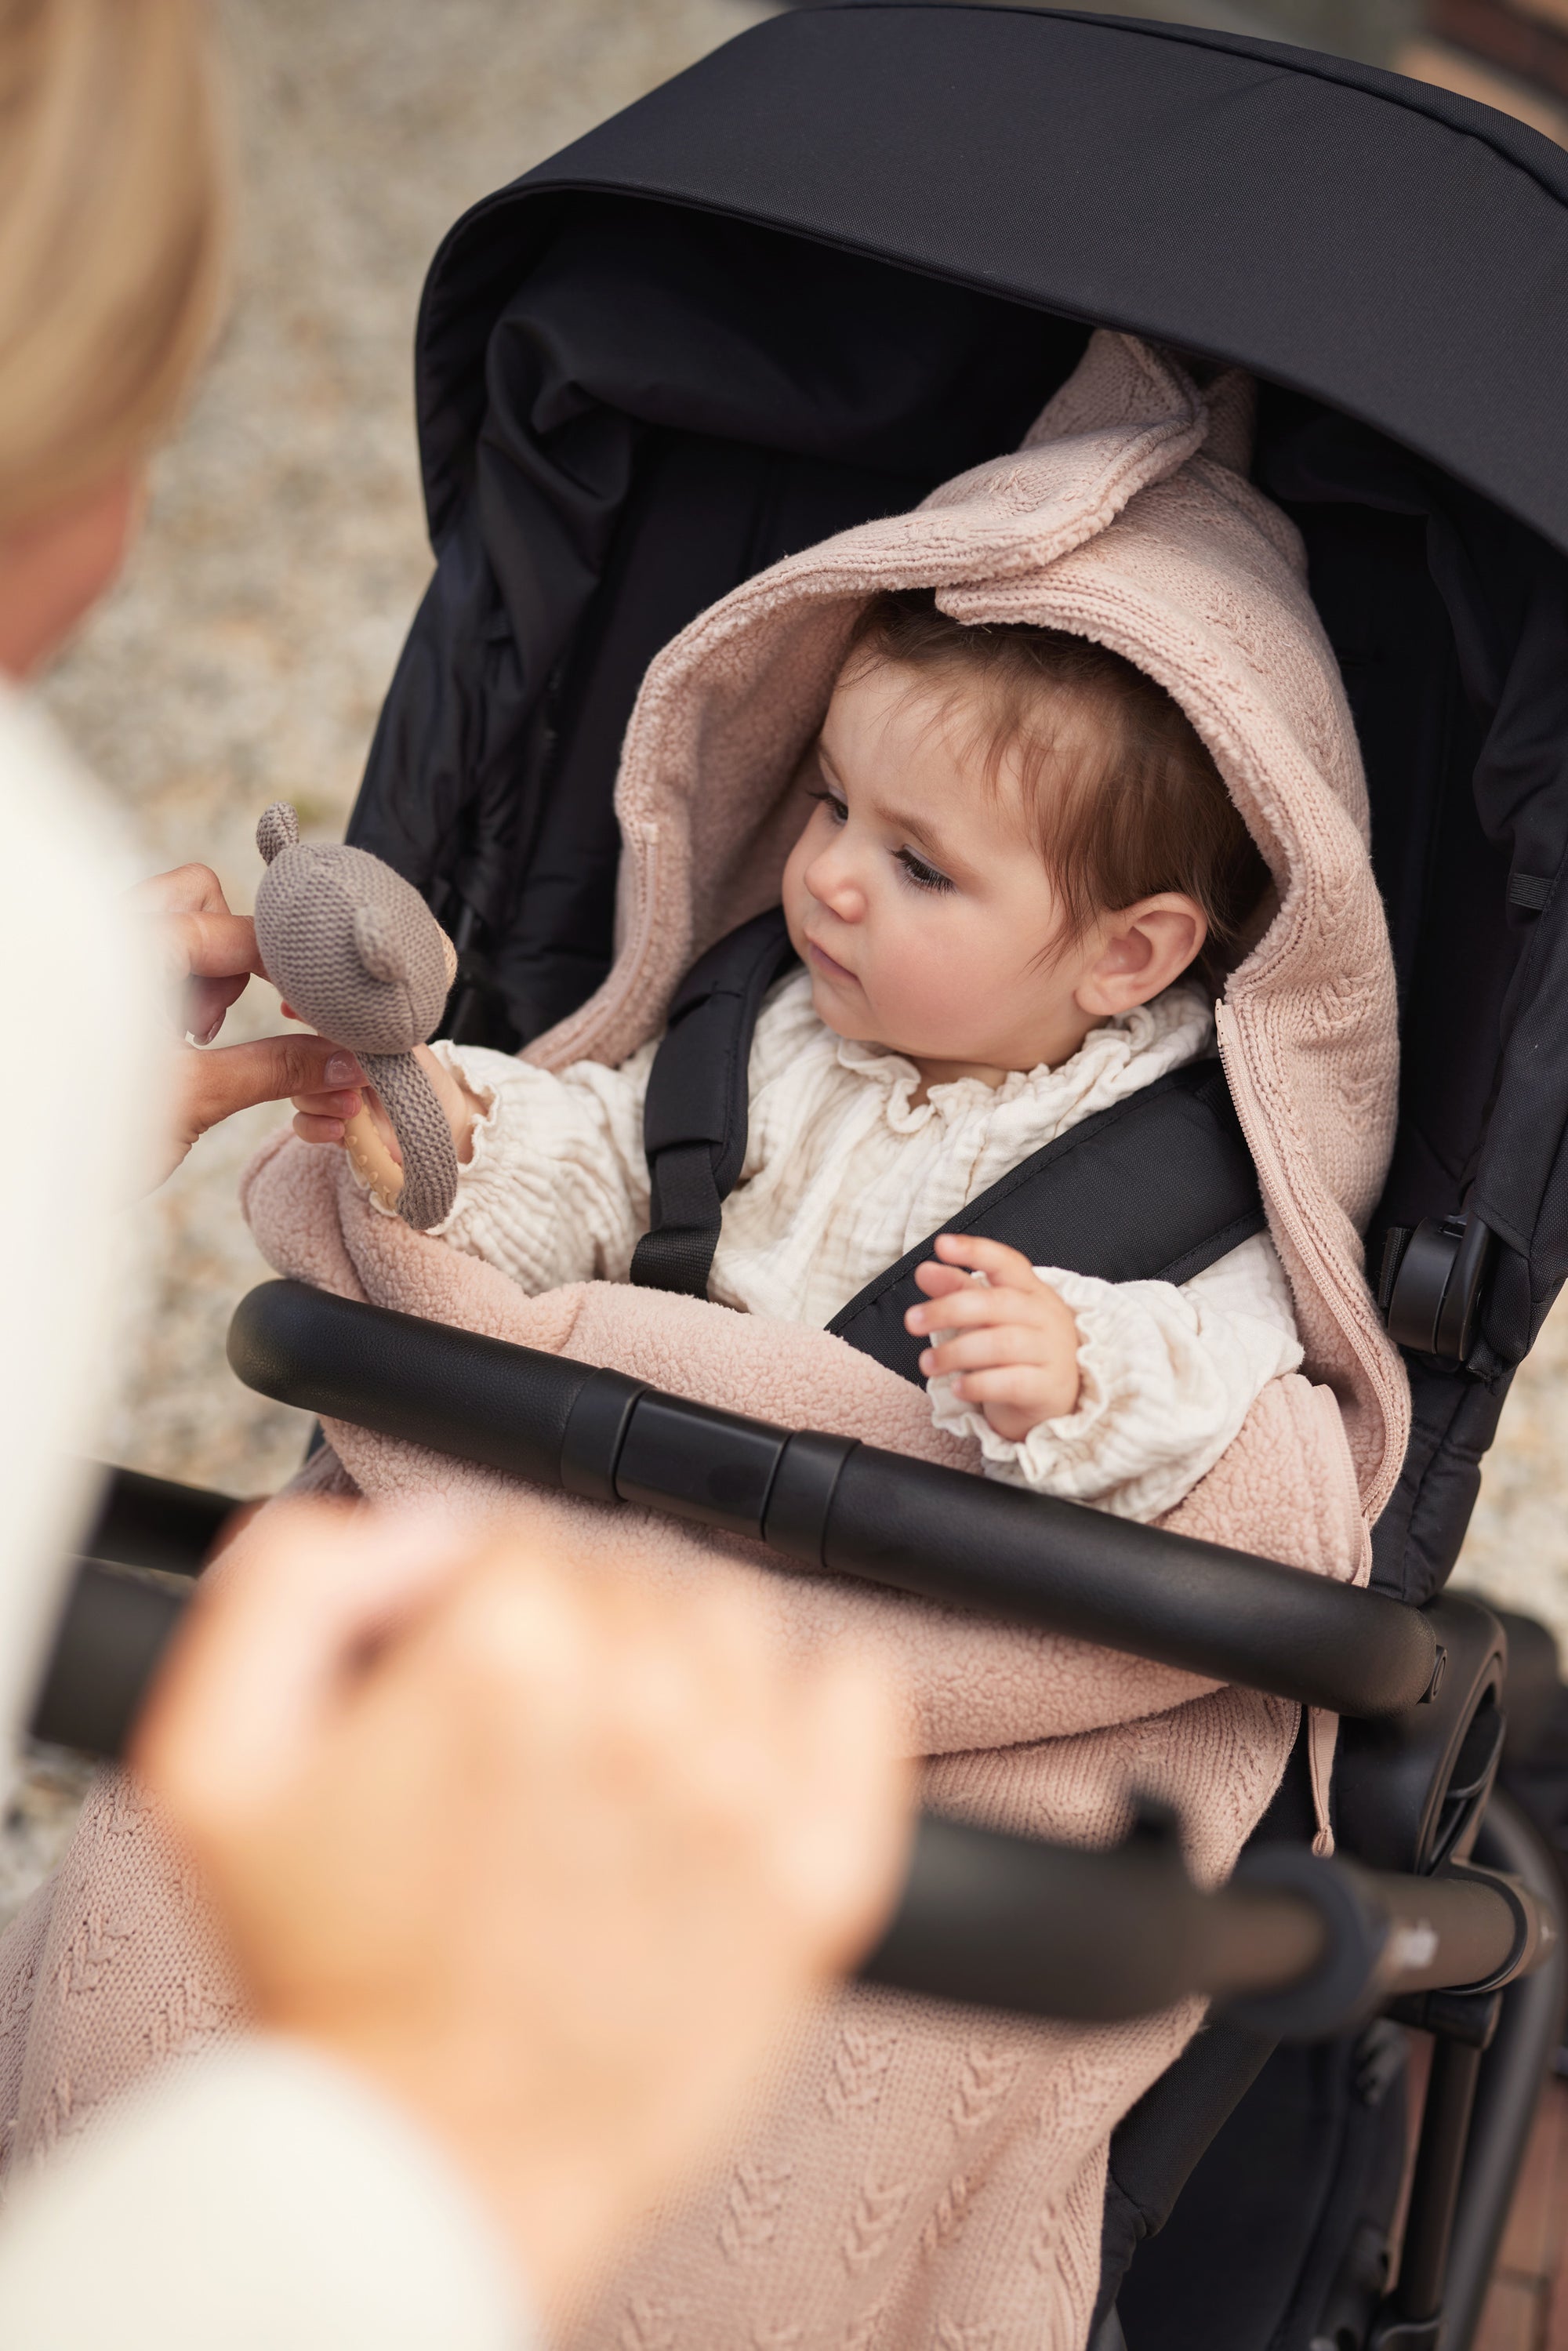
<point>927,1358</point>
<point>342,1069</point>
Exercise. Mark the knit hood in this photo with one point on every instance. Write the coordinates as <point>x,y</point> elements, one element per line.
<point>1125,517</point>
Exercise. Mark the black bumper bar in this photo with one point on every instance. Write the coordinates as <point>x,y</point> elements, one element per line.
<point>1293,1947</point>
<point>827,1501</point>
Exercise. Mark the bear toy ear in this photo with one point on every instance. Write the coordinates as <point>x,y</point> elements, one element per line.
<point>381,949</point>
<point>278,830</point>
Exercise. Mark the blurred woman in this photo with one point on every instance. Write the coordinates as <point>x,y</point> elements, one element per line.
<point>521,1883</point>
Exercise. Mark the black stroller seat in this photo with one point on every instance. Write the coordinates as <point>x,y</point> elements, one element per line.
<point>843,258</point>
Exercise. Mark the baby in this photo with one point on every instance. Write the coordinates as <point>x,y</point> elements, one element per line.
<point>1019,884</point>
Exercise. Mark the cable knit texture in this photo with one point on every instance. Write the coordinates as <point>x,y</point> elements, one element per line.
<point>844,1172</point>
<point>915,2179</point>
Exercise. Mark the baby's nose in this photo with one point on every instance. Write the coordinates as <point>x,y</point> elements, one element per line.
<point>831,880</point>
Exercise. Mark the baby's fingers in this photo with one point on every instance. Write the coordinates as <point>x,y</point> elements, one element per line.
<point>940,1280</point>
<point>1024,1385</point>
<point>973,1306</point>
<point>1004,1267</point>
<point>976,1351</point>
<point>1014,1398</point>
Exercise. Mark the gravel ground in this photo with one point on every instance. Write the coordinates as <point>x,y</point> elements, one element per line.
<point>245,656</point>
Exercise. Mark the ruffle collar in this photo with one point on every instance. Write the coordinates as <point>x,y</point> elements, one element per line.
<point>1118,1058</point>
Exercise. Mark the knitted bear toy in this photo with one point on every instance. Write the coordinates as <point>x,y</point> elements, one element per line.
<point>352,949</point>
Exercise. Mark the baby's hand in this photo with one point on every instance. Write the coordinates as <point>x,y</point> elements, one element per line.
<point>1015,1342</point>
<point>321,1118</point>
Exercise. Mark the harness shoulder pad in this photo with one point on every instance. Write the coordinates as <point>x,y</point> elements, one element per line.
<point>695,1113</point>
<point>1155,1188</point>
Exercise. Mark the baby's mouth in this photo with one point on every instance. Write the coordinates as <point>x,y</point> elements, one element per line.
<point>827,965</point>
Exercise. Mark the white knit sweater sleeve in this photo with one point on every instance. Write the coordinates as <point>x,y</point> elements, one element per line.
<point>1168,1376</point>
<point>259,2199</point>
<point>557,1189</point>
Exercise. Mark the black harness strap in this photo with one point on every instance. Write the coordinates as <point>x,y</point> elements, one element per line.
<point>694,1115</point>
<point>1154,1189</point>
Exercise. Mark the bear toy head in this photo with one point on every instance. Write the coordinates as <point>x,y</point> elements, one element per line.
<point>348,943</point>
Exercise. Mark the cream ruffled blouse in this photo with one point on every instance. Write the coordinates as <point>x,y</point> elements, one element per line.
<point>844,1171</point>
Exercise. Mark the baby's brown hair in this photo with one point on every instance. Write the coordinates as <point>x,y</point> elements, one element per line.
<point>1135,803</point>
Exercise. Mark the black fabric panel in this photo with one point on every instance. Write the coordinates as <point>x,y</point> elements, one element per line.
<point>1394,250</point>
<point>1241,2179</point>
<point>448,737</point>
<point>1153,1189</point>
<point>1157,2146</point>
<point>1159,2143</point>
<point>1453,1421</point>
<point>1265,2223</point>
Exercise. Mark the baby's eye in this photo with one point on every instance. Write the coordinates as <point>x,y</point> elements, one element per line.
<point>923,876</point>
<point>834,806</point>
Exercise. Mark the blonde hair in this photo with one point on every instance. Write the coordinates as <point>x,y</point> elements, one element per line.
<point>113,234</point>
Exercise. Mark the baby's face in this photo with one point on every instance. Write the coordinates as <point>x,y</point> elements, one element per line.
<point>916,898</point>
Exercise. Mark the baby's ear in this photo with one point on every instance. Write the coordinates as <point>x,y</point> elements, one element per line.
<point>278,830</point>
<point>378,935</point>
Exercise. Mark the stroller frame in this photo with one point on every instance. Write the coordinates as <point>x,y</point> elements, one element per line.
<point>1382,256</point>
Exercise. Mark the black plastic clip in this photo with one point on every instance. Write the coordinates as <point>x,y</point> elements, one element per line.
<point>1429,1288</point>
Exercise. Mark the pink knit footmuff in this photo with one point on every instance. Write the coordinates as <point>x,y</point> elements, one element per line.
<point>914,2177</point>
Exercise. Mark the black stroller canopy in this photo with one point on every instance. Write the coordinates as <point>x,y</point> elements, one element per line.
<point>854,252</point>
<point>1398,252</point>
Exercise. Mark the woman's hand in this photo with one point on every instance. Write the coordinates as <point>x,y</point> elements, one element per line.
<point>321,1117</point>
<point>208,955</point>
<point>549,1857</point>
<point>1013,1342</point>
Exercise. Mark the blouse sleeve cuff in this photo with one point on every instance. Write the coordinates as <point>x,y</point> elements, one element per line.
<point>1107,1380</point>
<point>1166,1387</point>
